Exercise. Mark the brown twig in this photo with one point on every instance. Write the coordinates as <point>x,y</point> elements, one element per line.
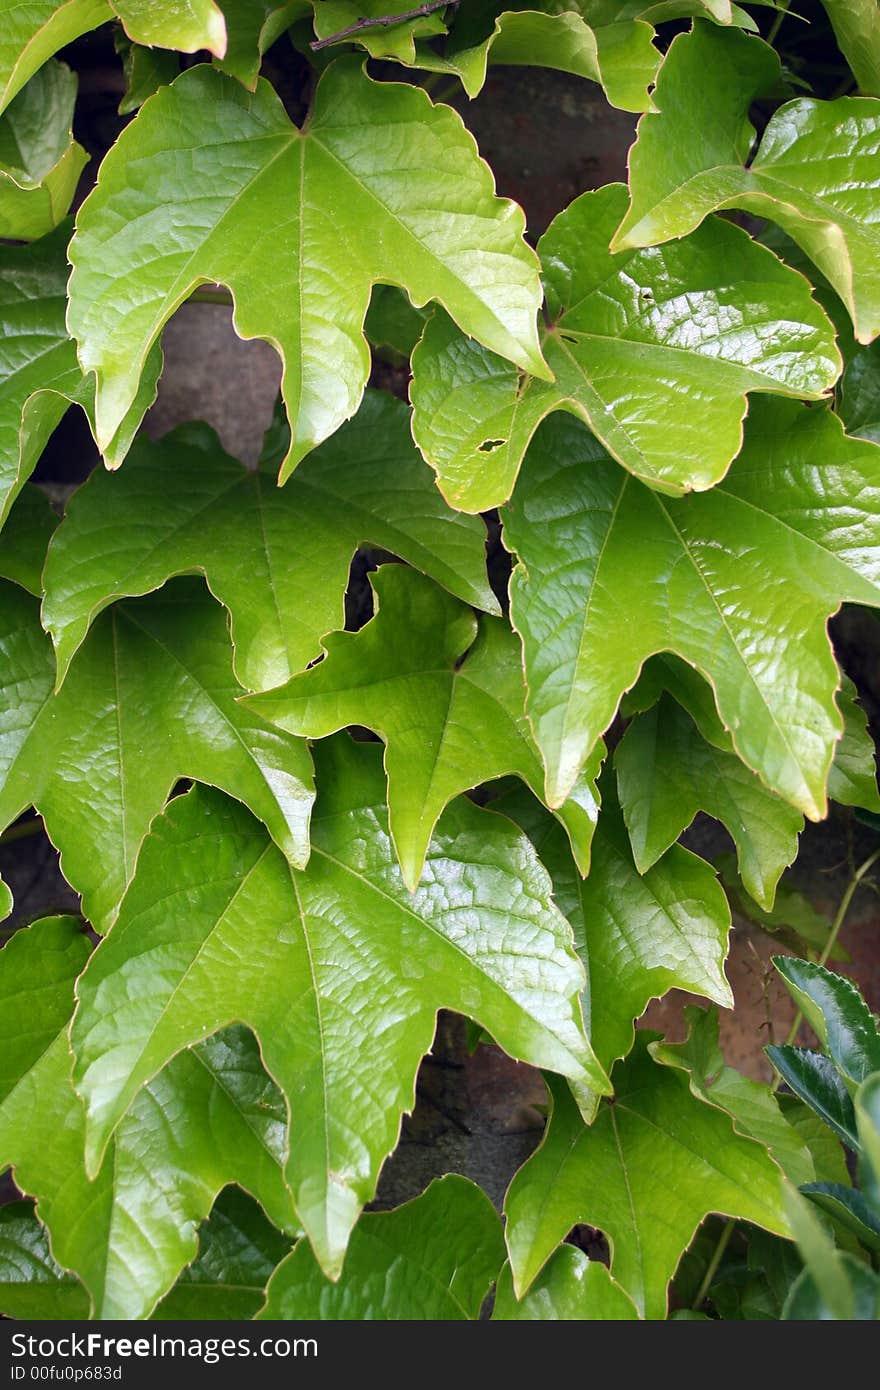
<point>383,22</point>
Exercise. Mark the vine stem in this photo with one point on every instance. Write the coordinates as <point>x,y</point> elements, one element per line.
<point>383,22</point>
<point>712,1267</point>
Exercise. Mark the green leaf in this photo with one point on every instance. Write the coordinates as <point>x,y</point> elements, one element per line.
<point>338,969</point>
<point>319,217</point>
<point>32,1286</point>
<point>187,25</point>
<point>846,1208</point>
<point>5,901</point>
<point>570,1288</point>
<point>650,1168</point>
<point>38,966</point>
<point>815,172</point>
<point>23,548</point>
<point>149,699</point>
<point>392,324</point>
<point>39,375</point>
<point>852,780</point>
<point>666,773</point>
<point>751,1105</point>
<point>638,935</point>
<point>145,69</point>
<point>32,31</point>
<point>856,25</point>
<point>739,581</point>
<point>252,26</point>
<point>792,917</point>
<point>277,558</point>
<point>389,41</point>
<point>834,1286</point>
<point>238,1250</point>
<point>40,162</point>
<point>433,1259</point>
<point>655,350</point>
<point>620,57</point>
<point>445,694</point>
<point>211,1118</point>
<point>814,1078</point>
<point>867,1110</point>
<point>837,1014</point>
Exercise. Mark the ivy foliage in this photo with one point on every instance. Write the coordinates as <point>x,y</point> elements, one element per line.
<point>305,811</point>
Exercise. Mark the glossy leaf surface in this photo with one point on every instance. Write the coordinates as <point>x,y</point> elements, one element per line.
<point>40,162</point>
<point>570,1288</point>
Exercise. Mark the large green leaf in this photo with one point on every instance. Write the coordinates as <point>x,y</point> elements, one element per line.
<point>338,969</point>
<point>252,26</point>
<point>837,1014</point>
<point>570,1288</point>
<point>856,25</point>
<point>32,30</point>
<point>40,162</point>
<point>277,558</point>
<point>739,581</point>
<point>445,694</point>
<point>656,350</point>
<point>211,1118</point>
<point>646,1172</point>
<point>184,24</point>
<point>752,1106</point>
<point>23,548</point>
<point>816,171</point>
<point>433,1259</point>
<point>32,1286</point>
<point>638,935</point>
<point>150,698</point>
<point>666,773</point>
<point>238,1250</point>
<point>299,225</point>
<point>39,375</point>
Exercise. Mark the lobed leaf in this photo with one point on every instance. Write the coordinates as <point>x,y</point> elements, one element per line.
<point>320,215</point>
<point>570,1288</point>
<point>277,559</point>
<point>739,582</point>
<point>40,162</point>
<point>445,694</point>
<point>646,1172</point>
<point>656,350</point>
<point>149,699</point>
<point>339,970</point>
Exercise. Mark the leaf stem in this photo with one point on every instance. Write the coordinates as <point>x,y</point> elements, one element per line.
<point>383,22</point>
<point>712,1267</point>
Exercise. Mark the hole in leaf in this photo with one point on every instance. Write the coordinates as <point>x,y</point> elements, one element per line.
<point>488,445</point>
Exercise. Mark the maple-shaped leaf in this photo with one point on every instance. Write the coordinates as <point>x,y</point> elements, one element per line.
<point>646,1172</point>
<point>752,1105</point>
<point>40,162</point>
<point>31,32</point>
<point>656,350</point>
<point>39,374</point>
<point>666,773</point>
<point>212,1117</point>
<point>445,694</point>
<point>238,1250</point>
<point>149,699</point>
<point>856,25</point>
<point>619,56</point>
<point>638,935</point>
<point>339,970</point>
<point>739,581</point>
<point>33,1286</point>
<point>277,558</point>
<point>570,1288</point>
<point>252,26</point>
<point>816,171</point>
<point>433,1259</point>
<point>320,215</point>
